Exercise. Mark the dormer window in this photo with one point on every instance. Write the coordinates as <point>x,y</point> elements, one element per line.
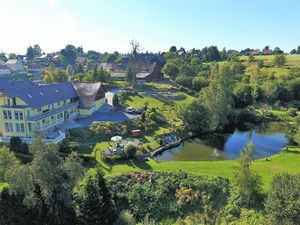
<point>41,93</point>
<point>29,96</point>
<point>56,90</point>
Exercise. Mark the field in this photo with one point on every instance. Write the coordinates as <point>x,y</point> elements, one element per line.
<point>285,161</point>
<point>292,64</point>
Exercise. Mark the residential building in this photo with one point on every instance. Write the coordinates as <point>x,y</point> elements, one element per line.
<point>35,69</point>
<point>4,70</point>
<point>15,66</point>
<point>255,52</point>
<point>29,110</point>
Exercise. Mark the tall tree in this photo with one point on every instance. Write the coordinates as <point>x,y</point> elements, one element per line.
<point>217,97</point>
<point>30,53</point>
<point>47,183</point>
<point>129,76</point>
<point>56,76</point>
<point>69,54</point>
<point>283,205</point>
<point>93,201</point>
<point>247,190</point>
<point>134,51</point>
<point>173,49</point>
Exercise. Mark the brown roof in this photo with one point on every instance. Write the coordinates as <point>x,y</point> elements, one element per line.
<point>89,93</point>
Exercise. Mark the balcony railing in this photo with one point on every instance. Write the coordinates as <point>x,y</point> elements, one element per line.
<point>46,126</point>
<point>52,112</point>
<point>55,140</point>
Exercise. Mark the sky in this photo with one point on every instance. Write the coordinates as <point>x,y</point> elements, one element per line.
<point>109,25</point>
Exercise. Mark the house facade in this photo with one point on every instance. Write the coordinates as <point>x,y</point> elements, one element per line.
<point>4,70</point>
<point>15,66</point>
<point>31,110</point>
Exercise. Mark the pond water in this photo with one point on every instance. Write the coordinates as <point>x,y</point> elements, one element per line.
<point>268,140</point>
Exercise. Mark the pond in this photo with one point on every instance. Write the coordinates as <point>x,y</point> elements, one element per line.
<point>268,140</point>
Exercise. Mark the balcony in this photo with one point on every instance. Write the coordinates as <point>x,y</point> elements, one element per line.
<point>52,112</point>
<point>50,138</point>
<point>46,126</point>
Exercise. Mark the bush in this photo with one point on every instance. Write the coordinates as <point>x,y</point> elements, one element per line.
<point>125,218</point>
<point>69,146</point>
<point>130,150</point>
<point>16,145</point>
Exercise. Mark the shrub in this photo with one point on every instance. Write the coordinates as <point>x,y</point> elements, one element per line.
<point>130,150</point>
<point>16,145</point>
<point>69,146</point>
<point>125,218</point>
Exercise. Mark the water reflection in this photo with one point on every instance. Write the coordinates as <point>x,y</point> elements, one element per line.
<point>268,140</point>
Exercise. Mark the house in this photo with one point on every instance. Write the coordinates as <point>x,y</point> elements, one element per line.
<point>255,52</point>
<point>28,110</point>
<point>4,70</point>
<point>91,97</point>
<point>15,66</point>
<point>268,52</point>
<point>35,69</point>
<point>146,72</point>
<point>81,59</point>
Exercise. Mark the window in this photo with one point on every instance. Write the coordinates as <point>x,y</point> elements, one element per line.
<point>18,115</point>
<point>5,116</point>
<point>21,115</point>
<point>8,127</point>
<point>65,102</point>
<point>58,103</point>
<point>20,127</point>
<point>59,115</point>
<point>29,127</point>
<point>39,109</point>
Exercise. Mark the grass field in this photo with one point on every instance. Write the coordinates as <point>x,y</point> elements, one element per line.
<point>285,161</point>
<point>292,63</point>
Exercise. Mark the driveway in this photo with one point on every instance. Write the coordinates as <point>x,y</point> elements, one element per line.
<point>109,95</point>
<point>99,116</point>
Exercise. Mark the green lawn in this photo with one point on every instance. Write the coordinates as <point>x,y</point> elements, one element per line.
<point>286,161</point>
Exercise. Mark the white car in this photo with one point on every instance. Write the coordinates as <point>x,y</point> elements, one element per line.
<point>130,110</point>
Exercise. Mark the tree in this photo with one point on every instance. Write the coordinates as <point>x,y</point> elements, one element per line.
<point>173,49</point>
<point>266,48</point>
<point>277,51</point>
<point>251,58</point>
<point>115,100</point>
<point>37,50</point>
<point>242,95</point>
<point>217,97</point>
<point>51,67</point>
<point>135,50</point>
<point>129,76</point>
<point>47,183</point>
<point>199,82</point>
<point>69,54</point>
<point>171,70</point>
<point>69,71</point>
<point>247,190</point>
<point>93,201</point>
<point>30,53</point>
<point>16,145</point>
<point>8,161</point>
<point>283,205</point>
<point>3,57</point>
<point>298,49</point>
<point>130,150</point>
<point>14,211</point>
<point>279,60</point>
<point>293,51</point>
<point>194,116</point>
<point>56,76</point>
<point>109,58</point>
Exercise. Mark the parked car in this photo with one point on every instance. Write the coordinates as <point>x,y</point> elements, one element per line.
<point>130,110</point>
<point>139,111</point>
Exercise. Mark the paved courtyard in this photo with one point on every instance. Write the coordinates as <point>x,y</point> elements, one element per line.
<point>103,115</point>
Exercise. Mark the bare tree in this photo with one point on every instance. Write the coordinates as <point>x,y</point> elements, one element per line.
<point>135,50</point>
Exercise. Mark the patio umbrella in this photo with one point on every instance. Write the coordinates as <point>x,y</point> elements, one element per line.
<point>116,138</point>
